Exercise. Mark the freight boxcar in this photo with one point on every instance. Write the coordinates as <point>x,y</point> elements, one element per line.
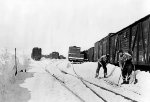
<point>101,48</point>
<point>104,46</point>
<point>75,55</point>
<point>36,53</point>
<point>134,38</point>
<point>91,54</point>
<point>85,54</point>
<point>113,47</point>
<point>96,51</point>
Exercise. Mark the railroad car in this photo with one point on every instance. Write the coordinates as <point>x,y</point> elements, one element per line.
<point>36,53</point>
<point>113,48</point>
<point>101,48</point>
<point>90,54</point>
<point>74,54</point>
<point>85,54</point>
<point>96,51</point>
<point>134,38</point>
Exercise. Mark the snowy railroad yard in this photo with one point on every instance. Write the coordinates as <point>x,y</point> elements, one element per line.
<point>40,41</point>
<point>60,81</point>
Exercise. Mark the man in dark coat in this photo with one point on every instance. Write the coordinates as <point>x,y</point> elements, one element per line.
<point>102,62</point>
<point>125,62</point>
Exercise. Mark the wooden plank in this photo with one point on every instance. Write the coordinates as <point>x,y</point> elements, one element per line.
<point>148,45</point>
<point>143,44</point>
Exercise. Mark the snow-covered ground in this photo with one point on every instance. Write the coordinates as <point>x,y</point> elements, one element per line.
<point>10,91</point>
<point>78,83</point>
<point>86,70</point>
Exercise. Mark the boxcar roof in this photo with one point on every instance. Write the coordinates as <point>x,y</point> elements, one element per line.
<point>136,22</point>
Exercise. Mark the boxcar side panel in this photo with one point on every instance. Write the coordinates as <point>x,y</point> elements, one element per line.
<point>145,40</point>
<point>134,43</point>
<point>100,49</point>
<point>91,54</point>
<point>104,46</point>
<point>113,43</point>
<point>148,46</point>
<point>124,40</point>
<point>96,50</point>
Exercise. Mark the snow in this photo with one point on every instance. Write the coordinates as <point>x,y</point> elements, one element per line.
<point>144,82</point>
<point>10,91</point>
<point>38,85</point>
<point>44,88</point>
<point>87,71</point>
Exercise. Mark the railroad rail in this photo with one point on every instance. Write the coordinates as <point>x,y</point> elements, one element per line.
<point>86,82</point>
<point>103,87</point>
<point>63,84</point>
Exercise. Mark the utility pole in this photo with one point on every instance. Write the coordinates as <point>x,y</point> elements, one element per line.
<point>15,63</point>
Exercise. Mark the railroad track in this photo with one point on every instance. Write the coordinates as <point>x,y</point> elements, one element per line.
<point>83,81</point>
<point>63,84</point>
<point>86,82</point>
<point>116,86</point>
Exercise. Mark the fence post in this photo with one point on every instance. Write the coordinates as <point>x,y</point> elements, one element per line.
<point>15,63</point>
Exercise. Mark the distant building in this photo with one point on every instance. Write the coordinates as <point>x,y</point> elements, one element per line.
<point>62,57</point>
<point>54,55</point>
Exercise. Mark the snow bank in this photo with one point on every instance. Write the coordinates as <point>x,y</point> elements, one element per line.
<point>144,82</point>
<point>8,70</point>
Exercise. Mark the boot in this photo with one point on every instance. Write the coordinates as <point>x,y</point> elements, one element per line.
<point>127,82</point>
<point>135,81</point>
<point>124,82</point>
<point>105,75</point>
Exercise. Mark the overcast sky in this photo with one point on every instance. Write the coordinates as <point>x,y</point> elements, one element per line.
<point>54,25</point>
